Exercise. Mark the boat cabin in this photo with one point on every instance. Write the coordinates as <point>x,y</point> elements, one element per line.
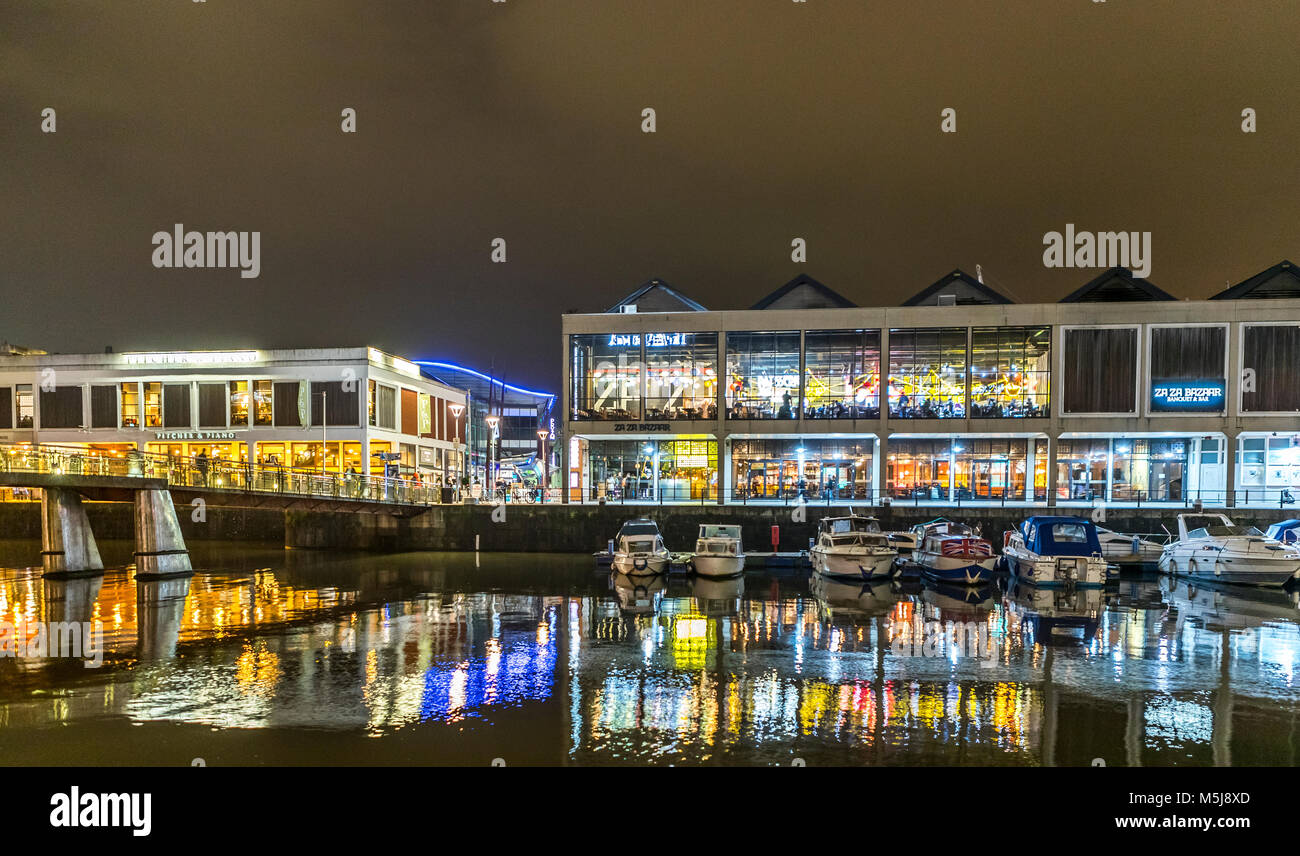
<point>1060,536</point>
<point>720,539</point>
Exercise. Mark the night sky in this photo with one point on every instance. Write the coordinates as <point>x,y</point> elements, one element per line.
<point>522,120</point>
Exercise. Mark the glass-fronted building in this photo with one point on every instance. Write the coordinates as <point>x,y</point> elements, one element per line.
<point>330,410</point>
<point>1119,393</point>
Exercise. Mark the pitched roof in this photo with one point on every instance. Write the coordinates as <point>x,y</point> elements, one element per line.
<point>658,296</point>
<point>1281,281</point>
<point>1117,285</point>
<point>804,292</point>
<point>965,288</point>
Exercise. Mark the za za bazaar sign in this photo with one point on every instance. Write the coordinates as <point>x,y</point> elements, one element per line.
<point>195,435</point>
<point>621,427</point>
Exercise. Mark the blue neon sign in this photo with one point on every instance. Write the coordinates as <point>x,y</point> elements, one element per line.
<point>1200,395</point>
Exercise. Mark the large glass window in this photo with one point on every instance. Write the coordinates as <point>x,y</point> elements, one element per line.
<point>841,374</point>
<point>787,469</point>
<point>605,376</point>
<point>1100,370</point>
<point>919,469</point>
<point>1270,368</point>
<point>26,405</point>
<point>653,470</point>
<point>1081,469</point>
<point>263,402</point>
<point>153,405</point>
<point>763,375</point>
<point>681,375</point>
<point>103,406</point>
<point>386,407</point>
<point>130,405</point>
<point>927,373</point>
<point>176,405</point>
<point>1141,469</point>
<point>239,400</point>
<point>1010,367</point>
<point>6,407</point>
<point>212,405</point>
<point>61,407</point>
<point>990,470</point>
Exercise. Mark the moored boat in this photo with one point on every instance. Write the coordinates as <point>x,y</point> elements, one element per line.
<point>1128,551</point>
<point>953,553</point>
<point>639,549</point>
<point>1211,547</point>
<point>1055,551</point>
<point>718,551</point>
<point>853,547</point>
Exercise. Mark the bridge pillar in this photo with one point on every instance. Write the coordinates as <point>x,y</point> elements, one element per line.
<point>67,543</point>
<point>159,546</point>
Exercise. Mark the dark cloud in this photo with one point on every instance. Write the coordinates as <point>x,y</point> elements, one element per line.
<point>521,120</point>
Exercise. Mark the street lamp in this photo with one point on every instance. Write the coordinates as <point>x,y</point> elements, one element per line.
<point>456,410</point>
<point>492,422</point>
<point>542,435</point>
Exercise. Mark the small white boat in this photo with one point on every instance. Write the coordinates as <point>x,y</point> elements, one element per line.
<point>718,551</point>
<point>1128,550</point>
<point>854,547</point>
<point>1212,547</point>
<point>639,549</point>
<point>1055,551</point>
<point>953,553</point>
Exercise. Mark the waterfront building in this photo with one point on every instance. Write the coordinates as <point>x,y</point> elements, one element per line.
<point>323,409</point>
<point>1118,393</point>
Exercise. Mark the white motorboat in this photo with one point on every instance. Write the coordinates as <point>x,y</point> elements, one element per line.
<point>1055,551</point>
<point>953,553</point>
<point>1211,547</point>
<point>639,549</point>
<point>718,551</point>
<point>854,547</point>
<point>1128,550</point>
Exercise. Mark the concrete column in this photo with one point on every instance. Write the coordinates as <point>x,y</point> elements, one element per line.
<point>159,546</point>
<point>67,542</point>
<point>1052,442</point>
<point>1230,441</point>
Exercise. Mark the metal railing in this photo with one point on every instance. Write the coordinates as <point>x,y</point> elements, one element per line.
<point>217,474</point>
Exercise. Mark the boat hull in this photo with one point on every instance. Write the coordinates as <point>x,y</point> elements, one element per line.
<point>1056,571</point>
<point>849,566</point>
<point>718,566</point>
<point>1235,569</point>
<point>955,570</point>
<point>640,564</point>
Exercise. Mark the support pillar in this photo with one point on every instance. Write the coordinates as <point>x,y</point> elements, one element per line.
<point>67,543</point>
<point>159,546</point>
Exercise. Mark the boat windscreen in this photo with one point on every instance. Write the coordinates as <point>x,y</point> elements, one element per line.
<point>647,527</point>
<point>1223,531</point>
<point>843,525</point>
<point>710,530</point>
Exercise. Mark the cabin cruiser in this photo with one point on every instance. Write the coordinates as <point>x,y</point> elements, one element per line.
<point>903,542</point>
<point>852,546</point>
<point>952,552</point>
<point>718,551</point>
<point>1211,547</point>
<point>1287,531</point>
<point>1055,551</point>
<point>639,549</point>
<point>1129,551</point>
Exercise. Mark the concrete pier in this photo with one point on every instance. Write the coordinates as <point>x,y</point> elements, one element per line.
<point>159,545</point>
<point>68,545</point>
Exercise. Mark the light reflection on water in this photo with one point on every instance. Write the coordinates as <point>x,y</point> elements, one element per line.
<point>593,668</point>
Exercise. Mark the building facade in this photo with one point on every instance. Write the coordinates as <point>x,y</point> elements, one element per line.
<point>329,410</point>
<point>1120,393</point>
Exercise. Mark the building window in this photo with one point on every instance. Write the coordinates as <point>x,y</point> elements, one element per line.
<point>681,376</point>
<point>1100,370</point>
<point>782,469</point>
<point>153,407</point>
<point>263,402</point>
<point>386,407</point>
<point>1270,368</point>
<point>841,374</point>
<point>130,405</point>
<point>763,375</point>
<point>61,407</point>
<point>238,403</point>
<point>605,376</point>
<point>1187,369</point>
<point>370,404</point>
<point>6,407</point>
<point>919,469</point>
<point>176,405</point>
<point>1010,367</point>
<point>927,373</point>
<point>103,407</point>
<point>410,412</point>
<point>285,396</point>
<point>212,405</point>
<point>340,404</point>
<point>664,470</point>
<point>26,405</point>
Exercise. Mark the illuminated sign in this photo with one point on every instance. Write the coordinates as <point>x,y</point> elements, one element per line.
<point>202,358</point>
<point>196,435</point>
<point>652,340</point>
<point>1202,395</point>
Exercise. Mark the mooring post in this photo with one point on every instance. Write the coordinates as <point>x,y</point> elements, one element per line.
<point>67,543</point>
<point>159,546</point>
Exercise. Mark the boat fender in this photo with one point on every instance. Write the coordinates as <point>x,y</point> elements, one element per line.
<point>1006,539</point>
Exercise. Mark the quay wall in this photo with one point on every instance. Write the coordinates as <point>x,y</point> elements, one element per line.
<point>587,528</point>
<point>115,520</point>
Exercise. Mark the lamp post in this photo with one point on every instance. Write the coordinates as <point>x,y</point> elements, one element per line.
<point>456,410</point>
<point>542,435</point>
<point>492,421</point>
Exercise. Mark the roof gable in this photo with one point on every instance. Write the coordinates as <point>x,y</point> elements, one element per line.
<point>804,292</point>
<point>1117,285</point>
<point>657,296</point>
<point>965,289</point>
<point>1280,282</point>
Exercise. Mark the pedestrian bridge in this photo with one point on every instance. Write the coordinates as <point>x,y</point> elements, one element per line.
<point>155,483</point>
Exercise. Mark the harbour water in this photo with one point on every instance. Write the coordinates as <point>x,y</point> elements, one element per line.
<point>270,656</point>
